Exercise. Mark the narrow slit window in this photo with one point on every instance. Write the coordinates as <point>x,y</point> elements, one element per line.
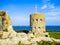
<point>35,27</point>
<point>40,19</point>
<point>39,27</point>
<point>46,35</point>
<point>36,19</point>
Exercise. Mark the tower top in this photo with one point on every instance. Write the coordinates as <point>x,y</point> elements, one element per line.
<point>39,13</point>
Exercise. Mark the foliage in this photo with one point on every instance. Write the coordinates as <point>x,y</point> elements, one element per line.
<point>22,31</point>
<point>45,43</point>
<point>55,34</point>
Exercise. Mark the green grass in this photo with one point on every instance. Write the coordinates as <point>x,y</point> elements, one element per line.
<point>55,34</point>
<point>45,43</point>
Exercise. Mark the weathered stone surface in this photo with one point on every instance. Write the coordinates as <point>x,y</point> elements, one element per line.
<point>5,35</point>
<point>9,37</point>
<point>5,19</point>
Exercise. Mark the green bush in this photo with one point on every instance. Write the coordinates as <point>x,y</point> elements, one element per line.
<point>25,31</point>
<point>55,35</point>
<point>45,43</point>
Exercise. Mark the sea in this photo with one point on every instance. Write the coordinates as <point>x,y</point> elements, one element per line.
<point>50,28</point>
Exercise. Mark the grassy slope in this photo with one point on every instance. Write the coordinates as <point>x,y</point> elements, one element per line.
<point>54,34</point>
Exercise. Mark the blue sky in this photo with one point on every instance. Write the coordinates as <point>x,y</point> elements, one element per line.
<point>20,10</point>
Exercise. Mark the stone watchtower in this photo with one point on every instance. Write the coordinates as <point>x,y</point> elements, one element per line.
<point>37,24</point>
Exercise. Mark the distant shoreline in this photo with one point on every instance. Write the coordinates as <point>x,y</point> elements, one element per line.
<point>48,28</point>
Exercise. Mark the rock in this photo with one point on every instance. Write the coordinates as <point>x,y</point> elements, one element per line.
<point>30,36</point>
<point>56,40</point>
<point>1,33</point>
<point>15,41</point>
<point>5,35</point>
<point>4,41</point>
<point>9,37</point>
<point>22,35</point>
<point>25,42</point>
<point>33,42</point>
<point>47,39</point>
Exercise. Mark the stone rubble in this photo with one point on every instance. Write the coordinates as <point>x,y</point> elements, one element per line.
<point>11,37</point>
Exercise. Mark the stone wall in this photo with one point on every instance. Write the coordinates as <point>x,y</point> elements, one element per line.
<point>9,37</point>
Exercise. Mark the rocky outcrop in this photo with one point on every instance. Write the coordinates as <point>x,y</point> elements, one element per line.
<point>9,37</point>
<point>6,29</point>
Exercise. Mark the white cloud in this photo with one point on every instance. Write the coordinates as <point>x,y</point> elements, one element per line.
<point>53,16</point>
<point>52,6</point>
<point>44,7</point>
<point>52,13</point>
<point>47,6</point>
<point>53,20</point>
